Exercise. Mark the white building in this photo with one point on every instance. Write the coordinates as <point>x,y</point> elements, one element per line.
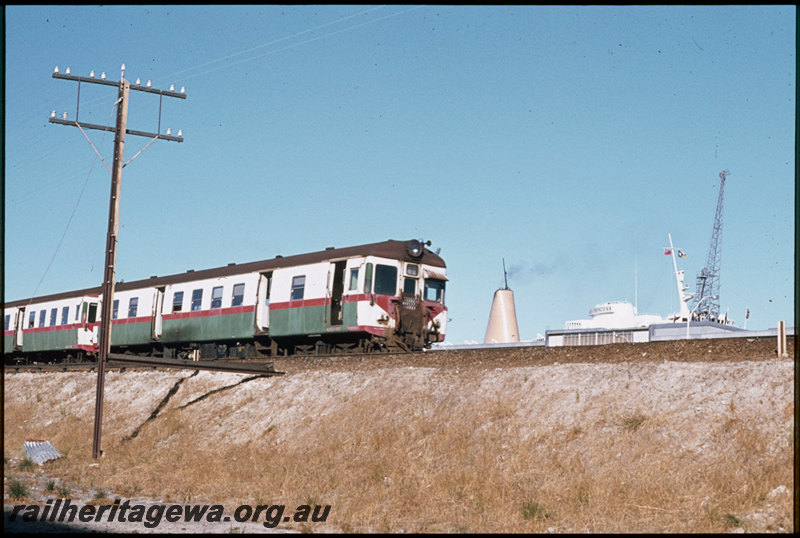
<point>614,315</point>
<point>610,323</point>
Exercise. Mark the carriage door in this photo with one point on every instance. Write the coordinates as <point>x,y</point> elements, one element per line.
<point>158,305</point>
<point>89,317</point>
<point>20,324</point>
<point>411,314</point>
<point>92,313</point>
<point>262,301</point>
<point>337,289</point>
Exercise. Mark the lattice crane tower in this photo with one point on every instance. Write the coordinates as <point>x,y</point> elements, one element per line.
<point>708,278</point>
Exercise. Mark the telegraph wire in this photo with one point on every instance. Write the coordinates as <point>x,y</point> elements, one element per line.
<point>273,42</point>
<point>301,43</point>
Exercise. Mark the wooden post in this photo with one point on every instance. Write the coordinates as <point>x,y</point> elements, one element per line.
<point>111,258</point>
<point>782,339</point>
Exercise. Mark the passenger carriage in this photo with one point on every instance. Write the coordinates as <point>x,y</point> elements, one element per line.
<point>375,296</point>
<point>134,315</point>
<point>227,307</point>
<point>66,323</point>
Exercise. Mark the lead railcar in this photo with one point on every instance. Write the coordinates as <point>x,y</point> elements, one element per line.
<point>379,296</point>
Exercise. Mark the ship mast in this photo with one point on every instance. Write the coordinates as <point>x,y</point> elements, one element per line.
<point>683,297</point>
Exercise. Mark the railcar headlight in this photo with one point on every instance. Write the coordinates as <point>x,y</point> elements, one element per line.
<point>415,247</point>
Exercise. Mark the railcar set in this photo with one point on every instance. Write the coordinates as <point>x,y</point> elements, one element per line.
<point>386,296</point>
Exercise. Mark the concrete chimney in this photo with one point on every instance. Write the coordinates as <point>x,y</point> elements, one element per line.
<point>502,326</point>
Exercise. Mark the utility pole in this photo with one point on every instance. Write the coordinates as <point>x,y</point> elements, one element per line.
<point>109,270</point>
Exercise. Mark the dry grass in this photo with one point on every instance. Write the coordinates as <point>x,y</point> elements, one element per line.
<point>448,456</point>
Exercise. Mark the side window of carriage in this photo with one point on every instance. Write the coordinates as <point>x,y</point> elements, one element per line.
<point>133,307</point>
<point>197,299</point>
<point>177,301</point>
<point>238,295</point>
<point>354,279</point>
<point>216,297</point>
<point>298,287</point>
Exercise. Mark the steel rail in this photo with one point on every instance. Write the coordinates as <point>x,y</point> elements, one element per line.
<point>116,360</point>
<point>263,368</point>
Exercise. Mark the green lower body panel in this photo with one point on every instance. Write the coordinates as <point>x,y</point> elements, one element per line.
<point>350,314</point>
<point>50,340</point>
<point>208,328</point>
<point>8,343</point>
<point>131,334</point>
<point>306,320</point>
<point>297,321</point>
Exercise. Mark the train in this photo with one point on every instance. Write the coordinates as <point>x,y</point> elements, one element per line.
<point>385,296</point>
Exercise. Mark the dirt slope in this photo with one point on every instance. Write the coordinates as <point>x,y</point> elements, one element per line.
<point>662,437</point>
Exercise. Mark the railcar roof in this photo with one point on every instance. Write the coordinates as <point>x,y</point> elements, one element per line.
<point>386,249</point>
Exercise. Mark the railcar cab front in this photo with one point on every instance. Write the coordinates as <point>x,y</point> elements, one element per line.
<point>400,299</point>
<point>421,314</point>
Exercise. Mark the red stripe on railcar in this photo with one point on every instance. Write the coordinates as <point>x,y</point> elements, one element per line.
<point>207,313</point>
<point>128,321</point>
<point>299,303</point>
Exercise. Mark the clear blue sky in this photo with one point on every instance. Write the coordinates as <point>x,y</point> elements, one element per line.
<point>568,141</point>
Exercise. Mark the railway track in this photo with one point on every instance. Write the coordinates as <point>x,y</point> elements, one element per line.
<point>491,357</point>
<point>701,350</point>
<point>122,362</point>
